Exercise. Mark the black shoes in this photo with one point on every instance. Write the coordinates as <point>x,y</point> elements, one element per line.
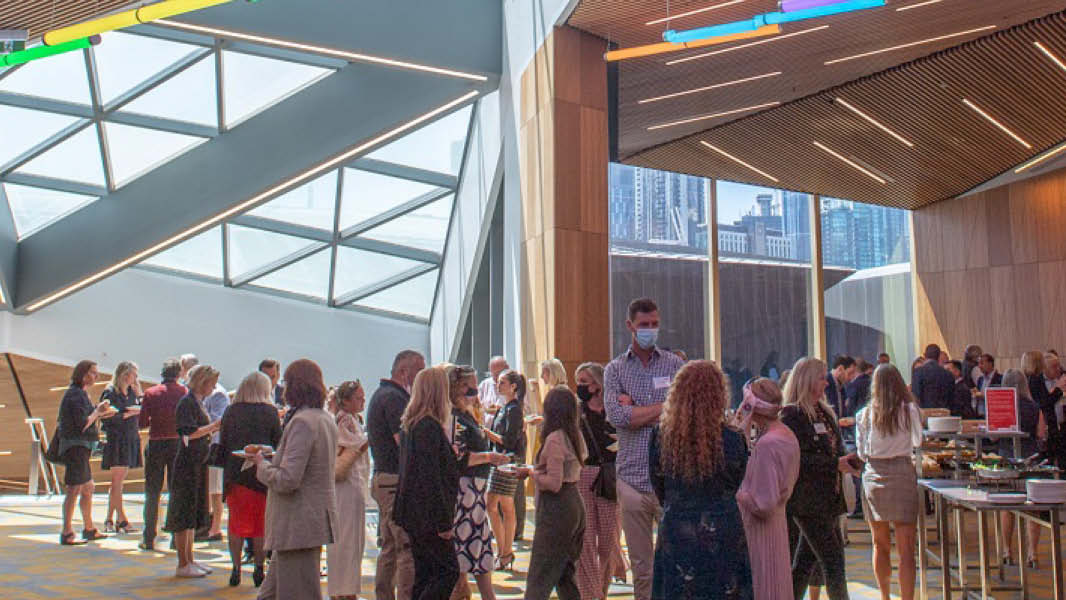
<point>146,545</point>
<point>257,576</point>
<point>235,577</point>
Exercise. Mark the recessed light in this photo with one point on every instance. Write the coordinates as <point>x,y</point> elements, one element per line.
<point>850,162</point>
<point>993,121</point>
<point>738,161</point>
<point>874,122</point>
<point>709,87</point>
<point>714,115</point>
<point>918,5</point>
<point>694,12</point>
<point>910,45</point>
<point>1041,158</point>
<point>1048,53</point>
<point>747,45</point>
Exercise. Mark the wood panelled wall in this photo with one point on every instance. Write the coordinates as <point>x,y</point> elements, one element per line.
<point>991,270</point>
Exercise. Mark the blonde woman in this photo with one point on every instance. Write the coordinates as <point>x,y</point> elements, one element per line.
<point>697,464</point>
<point>1030,420</point>
<point>429,485</point>
<point>344,557</point>
<point>887,432</point>
<point>1047,400</point>
<point>817,501</point>
<point>123,449</point>
<point>251,419</point>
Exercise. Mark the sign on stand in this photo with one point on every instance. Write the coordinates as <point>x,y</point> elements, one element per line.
<point>1001,409</point>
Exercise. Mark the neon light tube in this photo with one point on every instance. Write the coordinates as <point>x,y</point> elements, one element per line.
<point>793,5</point>
<point>662,47</point>
<point>739,162</point>
<point>713,31</point>
<point>850,162</point>
<point>774,18</point>
<point>25,56</point>
<point>748,45</point>
<point>144,14</point>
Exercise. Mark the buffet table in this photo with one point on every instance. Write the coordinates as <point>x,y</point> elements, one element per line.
<point>957,498</point>
<point>974,439</point>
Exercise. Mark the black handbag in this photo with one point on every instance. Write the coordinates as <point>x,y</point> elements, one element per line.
<point>604,484</point>
<point>52,454</point>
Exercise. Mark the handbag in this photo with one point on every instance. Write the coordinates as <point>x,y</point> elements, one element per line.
<point>52,454</point>
<point>604,484</point>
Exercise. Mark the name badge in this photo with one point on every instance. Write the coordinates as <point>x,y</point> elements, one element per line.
<point>660,382</point>
<point>819,428</point>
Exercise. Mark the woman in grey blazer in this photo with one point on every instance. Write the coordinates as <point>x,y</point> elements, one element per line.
<point>301,501</point>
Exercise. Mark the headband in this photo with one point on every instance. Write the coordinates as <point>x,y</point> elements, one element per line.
<point>752,405</point>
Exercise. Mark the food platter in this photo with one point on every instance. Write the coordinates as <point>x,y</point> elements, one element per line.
<point>267,451</point>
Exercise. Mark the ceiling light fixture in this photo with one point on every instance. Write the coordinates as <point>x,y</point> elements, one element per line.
<point>25,56</point>
<point>874,122</point>
<point>323,50</point>
<point>738,161</point>
<point>1036,161</point>
<point>694,12</point>
<point>771,18</point>
<point>918,5</point>
<point>709,87</point>
<point>910,45</point>
<point>993,121</point>
<point>284,185</point>
<point>748,45</point>
<point>1048,53</point>
<point>712,116</point>
<point>126,18</point>
<point>662,47</point>
<point>850,162</point>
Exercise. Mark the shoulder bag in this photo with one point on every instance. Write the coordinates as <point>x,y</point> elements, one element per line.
<point>604,484</point>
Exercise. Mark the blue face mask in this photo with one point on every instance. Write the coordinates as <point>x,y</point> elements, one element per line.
<point>646,338</point>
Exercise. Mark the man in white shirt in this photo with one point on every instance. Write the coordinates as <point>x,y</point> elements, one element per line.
<point>490,398</point>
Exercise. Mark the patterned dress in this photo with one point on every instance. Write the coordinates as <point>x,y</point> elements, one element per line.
<point>473,537</point>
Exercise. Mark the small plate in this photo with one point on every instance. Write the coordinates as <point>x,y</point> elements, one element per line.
<point>243,454</point>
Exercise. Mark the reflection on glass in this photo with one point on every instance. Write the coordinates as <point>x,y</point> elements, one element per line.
<point>424,228</point>
<point>413,297</point>
<point>200,254</point>
<point>75,159</point>
<point>188,96</point>
<point>311,204</point>
<point>357,269</point>
<point>136,150</point>
<point>124,60</point>
<point>308,277</point>
<point>435,147</point>
<point>250,249</point>
<point>61,77</point>
<point>254,83</point>
<point>34,208</point>
<point>368,194</point>
<point>21,129</point>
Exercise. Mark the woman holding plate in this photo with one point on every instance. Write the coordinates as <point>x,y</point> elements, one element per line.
<point>123,449</point>
<point>77,434</point>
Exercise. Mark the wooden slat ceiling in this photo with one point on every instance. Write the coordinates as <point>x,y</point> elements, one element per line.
<point>955,150</point>
<point>39,16</point>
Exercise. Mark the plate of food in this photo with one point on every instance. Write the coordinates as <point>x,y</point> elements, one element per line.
<point>252,449</point>
<point>512,468</point>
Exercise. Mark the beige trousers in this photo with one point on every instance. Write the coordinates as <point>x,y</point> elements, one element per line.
<point>293,574</point>
<point>396,568</point>
<point>640,512</point>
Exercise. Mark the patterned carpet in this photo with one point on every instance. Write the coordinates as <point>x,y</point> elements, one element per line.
<point>33,565</point>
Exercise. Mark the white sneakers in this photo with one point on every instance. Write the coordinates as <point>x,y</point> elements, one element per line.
<point>202,567</point>
<point>189,571</point>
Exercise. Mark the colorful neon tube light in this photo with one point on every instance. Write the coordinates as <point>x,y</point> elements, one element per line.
<point>662,47</point>
<point>25,56</point>
<point>773,18</point>
<point>128,18</point>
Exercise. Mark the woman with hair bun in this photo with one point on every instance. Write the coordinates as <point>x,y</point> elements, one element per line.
<point>509,438</point>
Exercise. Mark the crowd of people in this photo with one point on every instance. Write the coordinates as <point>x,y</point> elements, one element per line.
<point>718,497</point>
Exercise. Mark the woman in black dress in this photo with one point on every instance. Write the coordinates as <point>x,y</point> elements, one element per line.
<point>77,436</point>
<point>1033,368</point>
<point>187,509</point>
<point>123,449</point>
<point>508,437</point>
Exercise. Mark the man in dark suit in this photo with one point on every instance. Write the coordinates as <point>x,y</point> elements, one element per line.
<point>961,404</point>
<point>842,373</point>
<point>932,385</point>
<point>272,369</point>
<point>856,396</point>
<point>989,377</point>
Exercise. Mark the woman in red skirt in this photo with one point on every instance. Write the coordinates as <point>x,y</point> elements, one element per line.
<point>252,418</point>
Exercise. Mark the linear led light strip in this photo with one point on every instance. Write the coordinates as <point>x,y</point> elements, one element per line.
<point>850,162</point>
<point>874,122</point>
<point>288,183</point>
<point>918,5</point>
<point>748,45</point>
<point>1048,53</point>
<point>711,116</point>
<point>344,54</point>
<point>694,12</point>
<point>1042,158</point>
<point>709,87</point>
<point>739,162</point>
<point>1001,126</point>
<point>909,45</point>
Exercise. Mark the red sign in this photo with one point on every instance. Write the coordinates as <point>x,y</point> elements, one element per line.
<point>1001,409</point>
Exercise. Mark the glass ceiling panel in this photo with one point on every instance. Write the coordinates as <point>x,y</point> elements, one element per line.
<point>188,96</point>
<point>251,248</point>
<point>75,159</point>
<point>412,297</point>
<point>424,228</point>
<point>200,254</point>
<point>368,194</point>
<point>35,208</point>
<point>135,150</point>
<point>124,60</point>
<point>309,276</point>
<point>253,83</point>
<point>357,269</point>
<point>22,129</point>
<point>61,77</point>
<point>311,204</point>
<point>435,147</point>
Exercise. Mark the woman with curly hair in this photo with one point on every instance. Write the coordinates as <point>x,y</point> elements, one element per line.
<point>697,465</point>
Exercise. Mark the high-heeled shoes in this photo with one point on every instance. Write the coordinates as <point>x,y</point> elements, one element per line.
<point>1033,564</point>
<point>235,577</point>
<point>258,576</point>
<point>124,527</point>
<point>505,562</point>
<point>1008,561</point>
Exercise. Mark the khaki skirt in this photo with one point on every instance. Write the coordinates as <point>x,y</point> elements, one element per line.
<point>890,490</point>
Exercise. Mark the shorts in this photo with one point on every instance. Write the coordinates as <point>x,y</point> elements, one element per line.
<point>214,480</point>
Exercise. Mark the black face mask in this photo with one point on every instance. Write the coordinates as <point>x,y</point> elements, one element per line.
<point>471,392</point>
<point>584,392</point>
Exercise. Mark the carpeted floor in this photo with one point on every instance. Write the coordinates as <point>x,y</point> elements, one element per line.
<point>33,564</point>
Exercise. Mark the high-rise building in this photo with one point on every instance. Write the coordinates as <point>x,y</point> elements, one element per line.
<point>797,223</point>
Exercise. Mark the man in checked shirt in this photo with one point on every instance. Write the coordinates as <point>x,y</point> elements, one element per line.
<point>636,383</point>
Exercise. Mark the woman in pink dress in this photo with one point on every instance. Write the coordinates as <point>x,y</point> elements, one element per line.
<point>771,472</point>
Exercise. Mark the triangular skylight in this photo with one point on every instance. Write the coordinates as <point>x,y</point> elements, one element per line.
<point>188,96</point>
<point>250,249</point>
<point>21,129</point>
<point>369,194</point>
<point>253,83</point>
<point>435,147</point>
<point>357,269</point>
<point>424,228</point>
<point>311,204</point>
<point>75,159</point>
<point>413,297</point>
<point>35,208</point>
<point>200,254</point>
<point>124,60</point>
<point>60,77</point>
<point>136,150</point>
<point>307,277</point>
